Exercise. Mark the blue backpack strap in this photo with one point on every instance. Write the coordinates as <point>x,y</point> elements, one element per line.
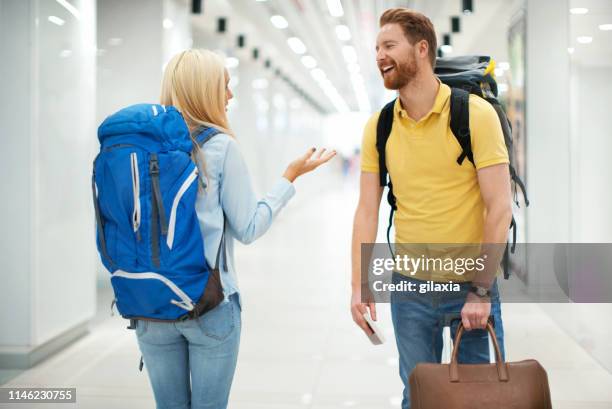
<point>201,138</point>
<point>205,134</point>
<point>460,122</point>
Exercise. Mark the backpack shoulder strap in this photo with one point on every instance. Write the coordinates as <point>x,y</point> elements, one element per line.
<point>383,130</point>
<point>460,122</point>
<point>201,138</point>
<point>205,134</point>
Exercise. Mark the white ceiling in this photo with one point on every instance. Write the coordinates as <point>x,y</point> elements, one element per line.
<point>483,32</point>
<point>599,52</point>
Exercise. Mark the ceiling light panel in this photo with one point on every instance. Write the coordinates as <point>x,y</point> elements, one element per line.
<point>279,22</point>
<point>335,8</point>
<point>349,53</point>
<point>309,61</point>
<point>296,45</point>
<point>56,20</point>
<point>318,74</point>
<point>353,68</point>
<point>343,33</point>
<point>579,10</point>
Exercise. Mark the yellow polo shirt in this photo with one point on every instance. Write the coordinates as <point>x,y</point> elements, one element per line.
<point>438,201</point>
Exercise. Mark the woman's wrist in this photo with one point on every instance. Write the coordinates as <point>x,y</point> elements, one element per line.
<point>290,176</point>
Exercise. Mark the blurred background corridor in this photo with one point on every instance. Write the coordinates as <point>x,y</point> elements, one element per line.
<point>303,74</point>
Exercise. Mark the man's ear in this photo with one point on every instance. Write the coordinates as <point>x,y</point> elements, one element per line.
<point>423,49</point>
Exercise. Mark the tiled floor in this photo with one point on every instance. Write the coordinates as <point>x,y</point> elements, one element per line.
<point>299,347</point>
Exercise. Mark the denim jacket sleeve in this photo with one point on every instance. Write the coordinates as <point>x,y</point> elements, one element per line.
<point>247,216</point>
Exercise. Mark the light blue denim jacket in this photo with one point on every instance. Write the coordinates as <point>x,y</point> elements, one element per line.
<point>228,189</point>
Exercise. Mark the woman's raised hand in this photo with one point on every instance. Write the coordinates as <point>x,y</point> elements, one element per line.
<point>307,163</point>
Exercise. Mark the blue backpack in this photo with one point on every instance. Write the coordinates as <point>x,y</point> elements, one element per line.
<point>144,191</point>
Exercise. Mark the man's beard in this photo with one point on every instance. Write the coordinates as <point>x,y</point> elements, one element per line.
<point>404,73</point>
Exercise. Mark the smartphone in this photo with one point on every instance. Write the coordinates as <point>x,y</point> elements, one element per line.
<point>377,336</point>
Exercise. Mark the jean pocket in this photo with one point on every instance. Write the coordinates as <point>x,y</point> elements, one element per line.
<point>219,322</point>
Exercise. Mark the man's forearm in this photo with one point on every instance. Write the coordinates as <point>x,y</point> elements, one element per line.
<point>497,222</point>
<point>365,227</point>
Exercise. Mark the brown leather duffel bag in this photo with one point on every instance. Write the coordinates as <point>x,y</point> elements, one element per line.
<point>502,385</point>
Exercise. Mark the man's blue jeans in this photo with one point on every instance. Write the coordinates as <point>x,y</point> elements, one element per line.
<point>205,349</point>
<point>418,321</point>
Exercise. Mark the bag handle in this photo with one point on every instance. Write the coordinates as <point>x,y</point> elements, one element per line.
<point>502,370</point>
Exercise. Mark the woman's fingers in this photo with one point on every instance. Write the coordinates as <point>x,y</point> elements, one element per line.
<point>308,154</point>
<point>322,159</point>
<point>329,156</point>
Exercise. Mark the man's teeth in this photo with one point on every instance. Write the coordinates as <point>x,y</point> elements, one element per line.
<point>388,68</point>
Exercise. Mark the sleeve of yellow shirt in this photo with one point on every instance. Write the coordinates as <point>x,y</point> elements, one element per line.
<point>488,144</point>
<point>369,154</point>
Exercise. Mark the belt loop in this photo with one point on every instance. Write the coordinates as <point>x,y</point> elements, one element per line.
<point>133,322</point>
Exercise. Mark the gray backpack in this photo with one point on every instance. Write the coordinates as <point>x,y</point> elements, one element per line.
<point>464,75</point>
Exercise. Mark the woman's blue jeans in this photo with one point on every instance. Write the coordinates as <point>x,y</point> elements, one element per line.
<point>191,363</point>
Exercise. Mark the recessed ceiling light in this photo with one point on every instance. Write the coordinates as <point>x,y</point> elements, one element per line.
<point>579,10</point>
<point>468,7</point>
<point>232,62</point>
<point>343,33</point>
<point>318,74</point>
<point>584,39</point>
<point>168,24</point>
<point>56,20</point>
<point>279,22</point>
<point>353,68</point>
<point>335,8</point>
<point>571,50</point>
<point>309,61</point>
<point>296,45</point>
<point>350,55</point>
<point>605,27</point>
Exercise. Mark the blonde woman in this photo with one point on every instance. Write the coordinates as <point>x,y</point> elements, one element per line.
<point>191,363</point>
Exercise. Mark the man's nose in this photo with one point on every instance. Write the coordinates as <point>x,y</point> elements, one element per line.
<point>380,55</point>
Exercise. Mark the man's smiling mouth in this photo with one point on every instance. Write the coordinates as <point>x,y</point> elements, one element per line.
<point>387,69</point>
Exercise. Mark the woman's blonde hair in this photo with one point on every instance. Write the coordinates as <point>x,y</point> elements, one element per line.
<point>194,83</point>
